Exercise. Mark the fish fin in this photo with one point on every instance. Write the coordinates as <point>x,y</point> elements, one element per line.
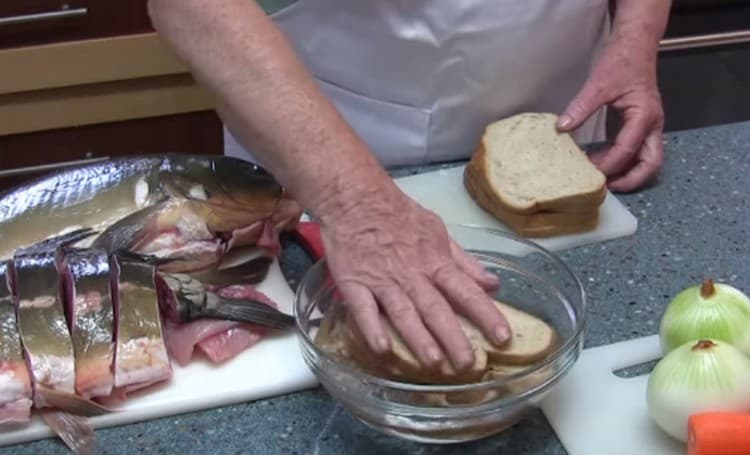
<point>150,259</point>
<point>128,231</point>
<point>250,272</point>
<point>242,310</point>
<point>75,431</point>
<point>72,403</point>
<point>58,241</point>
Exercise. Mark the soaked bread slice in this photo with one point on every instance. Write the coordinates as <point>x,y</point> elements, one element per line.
<point>401,364</point>
<point>532,340</point>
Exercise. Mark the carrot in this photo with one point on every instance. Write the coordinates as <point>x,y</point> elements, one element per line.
<point>719,433</point>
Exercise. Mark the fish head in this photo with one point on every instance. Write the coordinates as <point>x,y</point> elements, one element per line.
<point>225,181</point>
<point>229,194</point>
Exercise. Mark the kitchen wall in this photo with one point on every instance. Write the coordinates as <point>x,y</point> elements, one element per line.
<point>703,86</point>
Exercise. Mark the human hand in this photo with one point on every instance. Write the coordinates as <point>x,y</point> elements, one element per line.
<point>624,77</point>
<point>394,255</point>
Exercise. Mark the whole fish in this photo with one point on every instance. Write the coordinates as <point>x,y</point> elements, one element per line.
<point>15,384</point>
<point>141,357</point>
<point>86,285</point>
<point>230,199</point>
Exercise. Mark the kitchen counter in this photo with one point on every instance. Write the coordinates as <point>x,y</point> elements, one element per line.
<point>693,223</point>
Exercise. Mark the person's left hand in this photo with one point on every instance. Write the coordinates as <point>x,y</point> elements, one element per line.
<point>624,77</point>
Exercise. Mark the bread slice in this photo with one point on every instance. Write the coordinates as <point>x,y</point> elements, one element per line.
<point>537,224</point>
<point>401,364</point>
<point>523,166</point>
<point>532,339</point>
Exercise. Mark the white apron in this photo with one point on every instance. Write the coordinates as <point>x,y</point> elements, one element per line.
<point>419,80</point>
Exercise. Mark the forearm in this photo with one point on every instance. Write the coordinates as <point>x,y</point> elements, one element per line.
<point>640,24</point>
<point>266,97</point>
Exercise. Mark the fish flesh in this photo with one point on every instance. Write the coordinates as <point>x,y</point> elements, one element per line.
<point>15,383</point>
<point>141,357</point>
<point>231,199</point>
<point>86,286</point>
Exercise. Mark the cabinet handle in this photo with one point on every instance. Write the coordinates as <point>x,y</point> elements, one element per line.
<point>48,167</point>
<point>712,39</point>
<point>40,17</point>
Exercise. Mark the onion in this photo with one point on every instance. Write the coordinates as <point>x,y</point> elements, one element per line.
<point>716,311</point>
<point>698,376</point>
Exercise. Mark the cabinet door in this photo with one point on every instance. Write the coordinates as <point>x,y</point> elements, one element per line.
<point>27,156</point>
<point>31,22</point>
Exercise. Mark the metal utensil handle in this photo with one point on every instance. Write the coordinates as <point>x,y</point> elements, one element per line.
<point>41,17</point>
<point>47,167</point>
<point>711,39</point>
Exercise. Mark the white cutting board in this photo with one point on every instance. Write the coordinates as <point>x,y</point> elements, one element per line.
<point>443,192</point>
<point>272,367</point>
<point>595,412</point>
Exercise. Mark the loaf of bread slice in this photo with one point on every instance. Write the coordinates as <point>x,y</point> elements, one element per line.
<point>532,341</point>
<point>535,179</point>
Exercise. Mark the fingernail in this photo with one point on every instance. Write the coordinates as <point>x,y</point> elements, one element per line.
<point>381,344</point>
<point>434,355</point>
<point>564,121</point>
<point>501,334</point>
<point>491,277</point>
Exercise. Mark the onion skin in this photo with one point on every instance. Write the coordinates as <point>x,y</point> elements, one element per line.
<point>710,310</point>
<point>706,375</point>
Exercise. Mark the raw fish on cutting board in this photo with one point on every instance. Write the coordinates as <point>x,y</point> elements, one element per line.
<point>272,367</point>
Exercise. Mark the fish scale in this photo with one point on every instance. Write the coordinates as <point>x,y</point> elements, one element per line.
<point>42,324</point>
<point>85,273</point>
<point>15,384</point>
<point>141,357</point>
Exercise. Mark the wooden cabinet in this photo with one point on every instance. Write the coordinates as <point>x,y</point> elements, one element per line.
<point>195,132</point>
<point>34,22</point>
<point>89,79</point>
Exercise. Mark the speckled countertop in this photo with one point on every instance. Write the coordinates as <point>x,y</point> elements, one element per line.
<point>693,223</point>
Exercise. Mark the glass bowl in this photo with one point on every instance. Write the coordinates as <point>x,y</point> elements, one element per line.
<point>532,279</point>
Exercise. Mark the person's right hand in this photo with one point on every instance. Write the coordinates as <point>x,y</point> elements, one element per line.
<point>389,253</point>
